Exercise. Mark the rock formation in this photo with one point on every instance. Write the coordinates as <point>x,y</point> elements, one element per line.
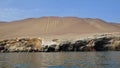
<point>21,45</point>
<point>96,43</point>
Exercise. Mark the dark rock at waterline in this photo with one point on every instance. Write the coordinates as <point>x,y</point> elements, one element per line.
<point>79,45</point>
<point>100,44</point>
<point>65,46</point>
<point>51,48</point>
<point>35,45</point>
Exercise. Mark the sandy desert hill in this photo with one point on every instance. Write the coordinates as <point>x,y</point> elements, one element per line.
<point>55,26</point>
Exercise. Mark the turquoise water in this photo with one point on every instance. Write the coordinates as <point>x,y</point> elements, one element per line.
<point>108,59</point>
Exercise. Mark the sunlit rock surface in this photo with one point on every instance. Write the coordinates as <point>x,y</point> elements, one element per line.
<point>103,42</point>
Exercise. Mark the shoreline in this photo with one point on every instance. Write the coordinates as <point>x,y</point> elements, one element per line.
<point>96,42</point>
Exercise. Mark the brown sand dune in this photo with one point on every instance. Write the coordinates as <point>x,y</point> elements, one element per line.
<point>50,26</point>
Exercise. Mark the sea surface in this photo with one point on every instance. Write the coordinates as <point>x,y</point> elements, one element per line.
<point>107,59</point>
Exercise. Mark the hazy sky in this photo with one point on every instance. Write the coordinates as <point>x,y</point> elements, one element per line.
<point>108,10</point>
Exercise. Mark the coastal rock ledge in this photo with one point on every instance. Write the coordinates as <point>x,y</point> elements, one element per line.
<point>104,42</point>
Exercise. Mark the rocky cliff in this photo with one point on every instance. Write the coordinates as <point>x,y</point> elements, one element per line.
<point>102,42</point>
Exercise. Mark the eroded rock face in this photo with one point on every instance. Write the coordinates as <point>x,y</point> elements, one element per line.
<point>21,45</point>
<point>115,44</point>
<point>65,46</point>
<point>79,45</point>
<point>100,44</point>
<point>37,45</point>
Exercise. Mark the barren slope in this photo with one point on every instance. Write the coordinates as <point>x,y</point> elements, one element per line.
<point>47,26</point>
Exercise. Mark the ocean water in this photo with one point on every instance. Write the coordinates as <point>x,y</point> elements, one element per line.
<point>107,59</point>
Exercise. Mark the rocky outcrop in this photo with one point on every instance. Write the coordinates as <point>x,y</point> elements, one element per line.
<point>94,44</point>
<point>21,45</point>
<point>99,43</point>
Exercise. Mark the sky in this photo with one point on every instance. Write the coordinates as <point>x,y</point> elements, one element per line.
<point>108,10</point>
